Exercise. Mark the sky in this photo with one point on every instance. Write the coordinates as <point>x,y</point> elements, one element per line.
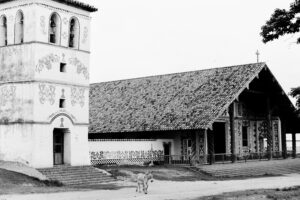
<point>137,38</point>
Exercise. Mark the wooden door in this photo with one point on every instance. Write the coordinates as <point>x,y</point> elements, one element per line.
<point>58,147</point>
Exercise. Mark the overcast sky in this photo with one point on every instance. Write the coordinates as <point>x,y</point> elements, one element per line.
<point>135,38</point>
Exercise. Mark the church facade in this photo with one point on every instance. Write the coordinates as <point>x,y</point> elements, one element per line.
<point>44,82</point>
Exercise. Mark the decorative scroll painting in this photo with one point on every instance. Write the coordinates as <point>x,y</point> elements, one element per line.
<point>276,135</point>
<point>262,135</point>
<point>46,62</point>
<point>77,96</point>
<point>81,68</point>
<point>7,94</point>
<point>46,93</point>
<point>100,155</point>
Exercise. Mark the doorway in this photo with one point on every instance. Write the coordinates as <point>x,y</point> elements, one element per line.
<point>219,137</point>
<point>58,146</point>
<point>167,152</point>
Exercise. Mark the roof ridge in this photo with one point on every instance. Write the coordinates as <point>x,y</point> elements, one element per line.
<point>185,72</point>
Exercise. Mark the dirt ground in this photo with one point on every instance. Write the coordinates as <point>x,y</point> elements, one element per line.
<point>171,183</point>
<point>180,190</point>
<point>290,193</point>
<point>165,173</point>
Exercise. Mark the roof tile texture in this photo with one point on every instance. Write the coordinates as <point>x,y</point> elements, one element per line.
<point>189,100</point>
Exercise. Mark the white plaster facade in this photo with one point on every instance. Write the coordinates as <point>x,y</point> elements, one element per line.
<point>32,85</point>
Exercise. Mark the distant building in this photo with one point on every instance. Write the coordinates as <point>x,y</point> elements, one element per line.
<point>190,115</point>
<point>44,82</point>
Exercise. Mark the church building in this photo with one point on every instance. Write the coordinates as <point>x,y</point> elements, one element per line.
<point>44,82</point>
<point>50,114</point>
<point>201,116</point>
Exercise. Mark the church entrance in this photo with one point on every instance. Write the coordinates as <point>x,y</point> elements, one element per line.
<point>219,140</point>
<point>58,146</point>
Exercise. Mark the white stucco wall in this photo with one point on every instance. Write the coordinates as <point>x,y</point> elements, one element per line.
<point>32,86</point>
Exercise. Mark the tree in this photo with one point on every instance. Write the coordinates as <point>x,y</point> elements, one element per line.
<point>282,22</point>
<point>295,92</point>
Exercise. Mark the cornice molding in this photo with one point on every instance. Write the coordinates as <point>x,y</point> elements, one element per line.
<point>47,6</point>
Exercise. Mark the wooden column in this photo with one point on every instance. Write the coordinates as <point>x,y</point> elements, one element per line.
<point>294,144</point>
<point>211,146</point>
<point>197,155</point>
<point>270,135</point>
<point>205,145</point>
<point>283,139</point>
<point>232,132</point>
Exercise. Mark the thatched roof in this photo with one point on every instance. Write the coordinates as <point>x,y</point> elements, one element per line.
<point>73,3</point>
<point>189,100</point>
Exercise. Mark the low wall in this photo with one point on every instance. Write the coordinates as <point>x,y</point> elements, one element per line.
<point>106,151</point>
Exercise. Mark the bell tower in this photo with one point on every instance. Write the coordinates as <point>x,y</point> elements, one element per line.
<point>44,82</point>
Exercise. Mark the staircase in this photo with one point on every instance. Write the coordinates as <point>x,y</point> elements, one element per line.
<point>77,175</point>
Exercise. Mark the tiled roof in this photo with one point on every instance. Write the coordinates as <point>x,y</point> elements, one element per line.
<point>189,100</point>
<point>73,3</point>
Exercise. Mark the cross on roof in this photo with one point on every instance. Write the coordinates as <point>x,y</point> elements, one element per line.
<point>257,56</point>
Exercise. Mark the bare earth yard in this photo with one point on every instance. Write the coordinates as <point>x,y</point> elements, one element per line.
<point>168,190</point>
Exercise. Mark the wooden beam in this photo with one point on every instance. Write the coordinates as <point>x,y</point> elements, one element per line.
<point>294,144</point>
<point>270,134</point>
<point>197,137</point>
<point>211,146</point>
<point>283,138</point>
<point>232,132</point>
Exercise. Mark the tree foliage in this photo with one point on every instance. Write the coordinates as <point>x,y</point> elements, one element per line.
<point>282,22</point>
<point>295,92</point>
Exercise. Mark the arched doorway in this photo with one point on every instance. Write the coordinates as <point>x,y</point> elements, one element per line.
<point>60,146</point>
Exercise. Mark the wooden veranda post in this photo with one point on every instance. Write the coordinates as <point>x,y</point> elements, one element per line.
<point>283,139</point>
<point>270,133</point>
<point>197,137</point>
<point>211,147</point>
<point>294,145</point>
<point>232,132</point>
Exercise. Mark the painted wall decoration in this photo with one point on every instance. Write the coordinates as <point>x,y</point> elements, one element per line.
<point>262,135</point>
<point>7,94</point>
<point>15,64</point>
<point>77,96</point>
<point>62,112</point>
<point>43,25</point>
<point>100,155</point>
<point>46,62</point>
<point>253,136</point>
<point>85,34</point>
<point>276,135</point>
<point>11,51</point>
<point>47,93</point>
<point>81,68</point>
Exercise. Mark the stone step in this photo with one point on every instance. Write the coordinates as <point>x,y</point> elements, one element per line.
<point>77,175</point>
